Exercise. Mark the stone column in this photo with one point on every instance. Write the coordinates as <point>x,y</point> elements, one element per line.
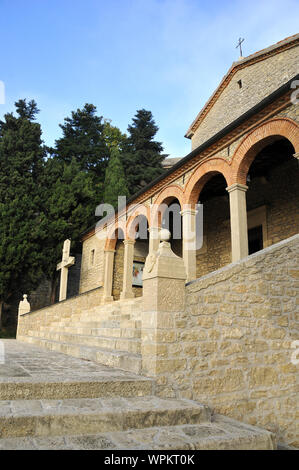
<point>238,221</point>
<point>154,239</point>
<point>108,276</point>
<point>127,292</point>
<point>164,278</point>
<point>189,242</point>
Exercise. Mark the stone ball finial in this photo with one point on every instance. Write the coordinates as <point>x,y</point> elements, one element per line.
<point>25,297</point>
<point>165,235</point>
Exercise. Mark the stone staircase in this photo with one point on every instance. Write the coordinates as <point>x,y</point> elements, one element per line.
<point>52,401</point>
<point>109,335</point>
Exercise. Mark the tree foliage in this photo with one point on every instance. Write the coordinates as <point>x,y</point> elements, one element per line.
<point>83,139</point>
<point>21,161</point>
<point>115,180</point>
<point>143,158</point>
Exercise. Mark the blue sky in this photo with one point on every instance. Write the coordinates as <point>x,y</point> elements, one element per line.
<point>122,55</point>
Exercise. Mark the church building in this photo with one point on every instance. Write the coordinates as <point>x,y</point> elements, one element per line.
<point>216,319</point>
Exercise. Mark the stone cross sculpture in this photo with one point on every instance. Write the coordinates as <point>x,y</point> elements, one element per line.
<point>64,265</point>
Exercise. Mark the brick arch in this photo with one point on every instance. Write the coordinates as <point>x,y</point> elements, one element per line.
<point>201,176</point>
<point>112,235</point>
<point>174,191</point>
<point>256,140</point>
<point>139,210</point>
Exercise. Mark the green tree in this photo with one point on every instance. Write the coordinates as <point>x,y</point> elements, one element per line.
<point>83,139</point>
<point>143,157</point>
<point>69,200</point>
<point>114,137</point>
<point>115,180</point>
<point>21,160</point>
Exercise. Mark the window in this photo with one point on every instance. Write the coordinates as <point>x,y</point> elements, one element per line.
<point>92,253</point>
<point>239,83</point>
<point>255,239</point>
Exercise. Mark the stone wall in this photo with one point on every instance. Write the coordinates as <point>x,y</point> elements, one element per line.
<point>231,346</point>
<point>92,266</point>
<point>258,81</point>
<point>59,311</point>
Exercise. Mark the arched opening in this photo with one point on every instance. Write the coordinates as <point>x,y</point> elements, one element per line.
<point>273,193</point>
<point>172,220</point>
<point>118,264</point>
<point>216,244</point>
<point>141,249</point>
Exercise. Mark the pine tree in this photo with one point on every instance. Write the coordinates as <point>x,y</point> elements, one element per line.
<point>21,159</point>
<point>114,137</point>
<point>115,180</point>
<point>143,158</point>
<point>83,139</point>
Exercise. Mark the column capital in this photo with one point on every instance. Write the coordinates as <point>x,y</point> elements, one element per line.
<point>188,211</point>
<point>108,250</point>
<point>129,241</point>
<point>237,186</point>
<point>296,155</point>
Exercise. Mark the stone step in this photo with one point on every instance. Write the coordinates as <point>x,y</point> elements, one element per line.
<point>130,345</point>
<point>117,359</point>
<point>24,418</point>
<point>110,385</point>
<point>220,434</point>
<point>108,332</point>
<point>108,323</point>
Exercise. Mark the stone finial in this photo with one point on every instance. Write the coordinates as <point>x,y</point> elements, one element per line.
<point>165,235</point>
<point>164,263</point>
<point>24,305</point>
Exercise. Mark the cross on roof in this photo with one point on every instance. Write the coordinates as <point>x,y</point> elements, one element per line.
<point>240,46</point>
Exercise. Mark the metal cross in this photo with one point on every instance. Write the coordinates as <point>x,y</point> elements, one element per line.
<point>240,46</point>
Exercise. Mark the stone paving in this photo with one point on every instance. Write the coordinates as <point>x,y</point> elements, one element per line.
<point>30,372</point>
<point>27,361</point>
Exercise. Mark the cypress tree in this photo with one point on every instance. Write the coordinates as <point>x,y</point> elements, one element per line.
<point>115,180</point>
<point>83,139</point>
<point>21,159</point>
<point>143,158</point>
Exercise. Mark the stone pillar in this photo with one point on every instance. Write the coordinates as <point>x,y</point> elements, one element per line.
<point>189,242</point>
<point>238,221</point>
<point>164,278</point>
<point>127,292</point>
<point>108,276</point>
<point>24,306</point>
<point>154,239</point>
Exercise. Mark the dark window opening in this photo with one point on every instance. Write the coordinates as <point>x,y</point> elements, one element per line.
<point>255,239</point>
<point>240,83</point>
